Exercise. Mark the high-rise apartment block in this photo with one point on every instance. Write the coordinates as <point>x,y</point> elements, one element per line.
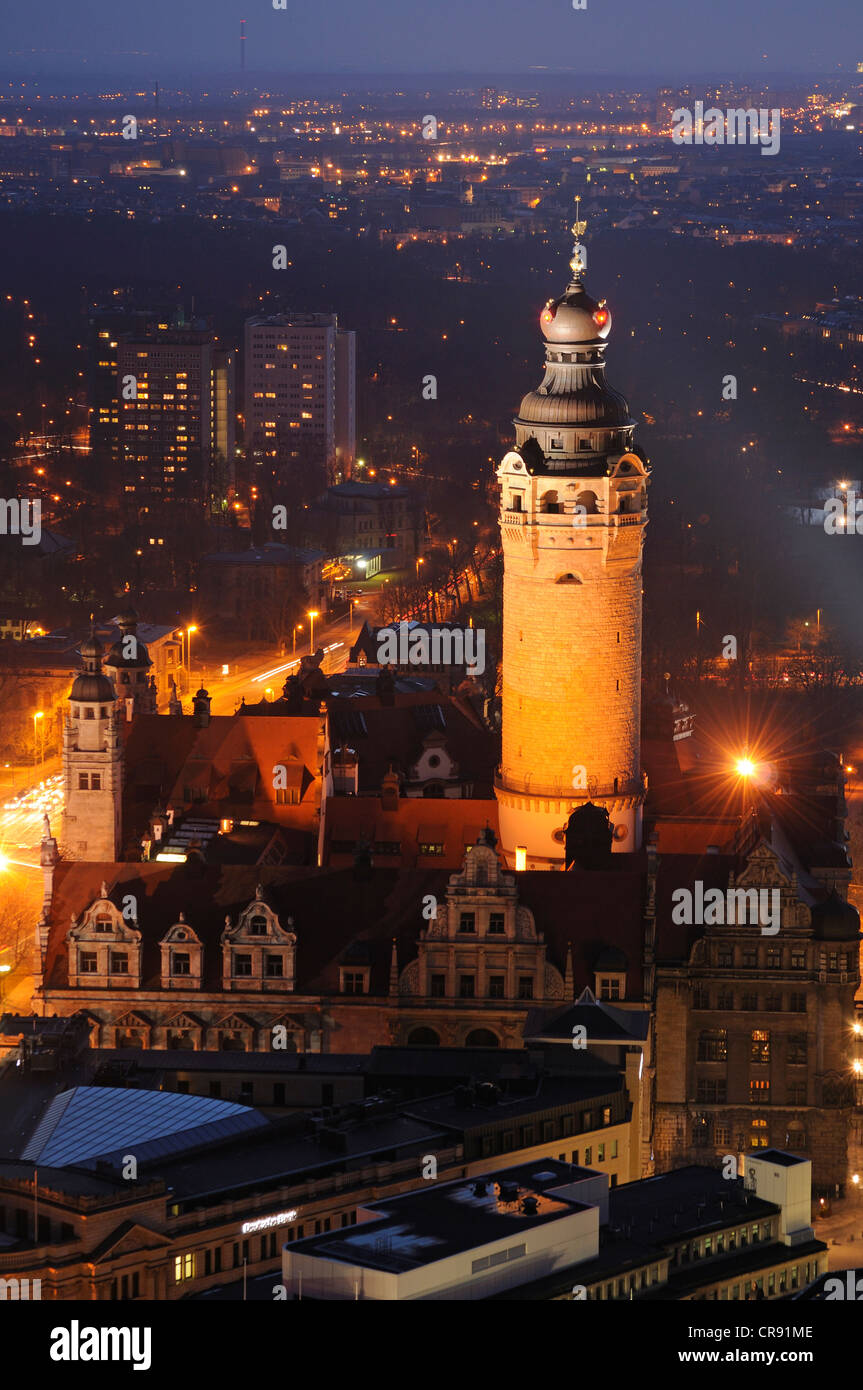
<point>176,413</point>
<point>300,397</point>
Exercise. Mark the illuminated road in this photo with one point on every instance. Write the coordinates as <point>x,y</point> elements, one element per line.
<point>254,678</point>
<point>21,821</point>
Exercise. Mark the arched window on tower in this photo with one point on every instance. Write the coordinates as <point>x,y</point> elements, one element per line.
<point>586,503</point>
<point>548,502</point>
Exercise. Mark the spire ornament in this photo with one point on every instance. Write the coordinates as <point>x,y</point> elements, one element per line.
<point>578,263</point>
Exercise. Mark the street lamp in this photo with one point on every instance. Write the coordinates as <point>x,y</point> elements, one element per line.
<point>298,627</point>
<point>40,714</point>
<point>189,631</point>
<point>313,613</point>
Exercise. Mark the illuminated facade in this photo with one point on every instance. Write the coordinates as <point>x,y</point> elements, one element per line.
<point>573,515</point>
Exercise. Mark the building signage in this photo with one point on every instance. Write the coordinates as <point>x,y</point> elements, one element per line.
<point>266,1222</point>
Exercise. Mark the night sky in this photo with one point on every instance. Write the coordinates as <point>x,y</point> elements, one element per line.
<point>672,38</point>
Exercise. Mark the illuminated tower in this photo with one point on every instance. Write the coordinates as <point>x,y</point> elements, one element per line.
<point>92,764</point>
<point>573,516</point>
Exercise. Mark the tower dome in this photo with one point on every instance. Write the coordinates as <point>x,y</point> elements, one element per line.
<point>91,686</point>
<point>574,398</point>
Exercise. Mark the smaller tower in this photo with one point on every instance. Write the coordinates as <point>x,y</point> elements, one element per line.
<point>92,763</point>
<point>128,664</point>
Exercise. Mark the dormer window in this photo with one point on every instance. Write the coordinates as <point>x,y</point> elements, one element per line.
<point>180,963</point>
<point>354,981</point>
<point>104,924</point>
<point>89,713</point>
<point>258,926</point>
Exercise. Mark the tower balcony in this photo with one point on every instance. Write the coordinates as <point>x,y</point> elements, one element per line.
<point>506,779</point>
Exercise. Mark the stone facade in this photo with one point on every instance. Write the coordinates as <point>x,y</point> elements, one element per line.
<point>754,1037</point>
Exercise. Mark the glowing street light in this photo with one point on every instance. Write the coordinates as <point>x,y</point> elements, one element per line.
<point>298,627</point>
<point>189,631</point>
<point>40,714</point>
<point>313,613</point>
<point>745,767</point>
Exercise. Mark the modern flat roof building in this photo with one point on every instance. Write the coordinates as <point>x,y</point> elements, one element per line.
<point>548,1230</point>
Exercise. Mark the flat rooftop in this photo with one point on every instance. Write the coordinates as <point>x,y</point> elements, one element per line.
<point>438,1222</point>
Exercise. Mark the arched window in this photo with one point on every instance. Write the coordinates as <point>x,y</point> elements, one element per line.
<point>482,1037</point>
<point>549,502</point>
<point>586,501</point>
<point>423,1037</point>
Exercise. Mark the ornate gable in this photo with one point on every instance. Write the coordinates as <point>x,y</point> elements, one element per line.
<point>103,921</point>
<point>258,923</point>
<point>180,933</point>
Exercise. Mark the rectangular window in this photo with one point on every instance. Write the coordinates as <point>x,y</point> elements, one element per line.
<point>749,1003</point>
<point>119,963</point>
<point>496,924</point>
<point>525,987</point>
<point>88,963</point>
<point>467,922</point>
<point>774,958</point>
<point>180,963</point>
<point>353,982</point>
<point>588,1156</point>
<point>614,1148</point>
<point>798,1050</point>
<point>713,1045</point>
<point>725,957</point>
<point>797,1093</point>
<point>438,986</point>
<point>750,958</point>
<point>759,1046</point>
<point>184,1267</point>
<point>759,1092</point>
<point>496,985</point>
<point>466,986</point>
<point>725,1000</point>
<point>710,1091</point>
<point>797,1004</point>
<point>798,960</point>
<point>600,1153</point>
<point>83,781</point>
<point>242,965</point>
<point>274,967</point>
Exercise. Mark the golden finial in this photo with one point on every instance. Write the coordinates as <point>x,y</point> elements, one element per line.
<point>579,226</point>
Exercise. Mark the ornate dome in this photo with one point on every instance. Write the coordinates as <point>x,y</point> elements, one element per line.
<point>575,318</point>
<point>91,686</point>
<point>589,401</point>
<point>574,391</point>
